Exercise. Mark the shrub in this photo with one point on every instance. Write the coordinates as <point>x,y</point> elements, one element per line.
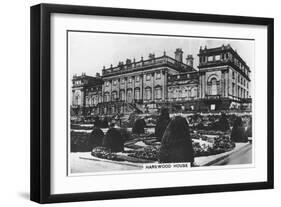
<point>132,118</point>
<point>97,122</point>
<point>104,123</point>
<point>125,134</point>
<point>113,140</point>
<point>222,124</point>
<point>139,126</point>
<point>96,137</point>
<point>176,145</point>
<point>238,131</point>
<point>249,129</point>
<point>162,123</point>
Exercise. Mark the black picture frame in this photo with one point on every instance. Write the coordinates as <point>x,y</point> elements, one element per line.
<point>40,102</point>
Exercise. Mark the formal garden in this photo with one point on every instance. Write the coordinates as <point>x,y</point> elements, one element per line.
<point>138,138</point>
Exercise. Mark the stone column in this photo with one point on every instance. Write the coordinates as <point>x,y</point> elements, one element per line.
<point>152,88</point>
<point>164,86</point>
<point>133,86</point>
<point>125,89</point>
<point>141,86</point>
<point>226,83</point>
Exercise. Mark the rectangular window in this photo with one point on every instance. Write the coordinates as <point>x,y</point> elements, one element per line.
<point>137,79</point>
<point>217,57</point>
<point>148,93</point>
<point>148,76</point>
<point>158,75</point>
<point>158,93</point>
<point>130,80</point>
<point>210,58</point>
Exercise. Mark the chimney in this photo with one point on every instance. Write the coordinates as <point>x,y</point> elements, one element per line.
<point>189,60</point>
<point>151,56</point>
<point>178,54</point>
<point>128,61</point>
<point>98,75</point>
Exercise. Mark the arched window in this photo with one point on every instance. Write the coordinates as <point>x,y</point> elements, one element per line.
<point>129,95</point>
<point>106,97</point>
<point>137,93</point>
<point>77,98</point>
<point>100,98</point>
<point>158,92</point>
<point>114,96</point>
<point>87,101</point>
<point>214,88</point>
<point>122,95</point>
<point>180,95</point>
<point>95,100</point>
<point>194,92</point>
<point>148,93</point>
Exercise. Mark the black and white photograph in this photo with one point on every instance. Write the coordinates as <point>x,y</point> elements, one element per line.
<point>141,103</point>
<point>132,103</point>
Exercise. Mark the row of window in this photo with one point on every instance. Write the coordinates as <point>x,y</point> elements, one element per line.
<point>240,79</point>
<point>136,96</point>
<point>180,93</point>
<point>137,79</point>
<point>241,92</point>
<point>241,66</point>
<point>213,58</point>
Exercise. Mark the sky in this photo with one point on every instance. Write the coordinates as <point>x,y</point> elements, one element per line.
<point>89,52</point>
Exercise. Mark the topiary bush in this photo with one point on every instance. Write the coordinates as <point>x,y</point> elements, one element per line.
<point>222,124</point>
<point>96,137</point>
<point>176,145</point>
<point>138,127</point>
<point>249,128</point>
<point>104,123</point>
<point>97,122</point>
<point>162,123</point>
<point>125,134</point>
<point>238,132</point>
<point>113,140</point>
<point>131,120</point>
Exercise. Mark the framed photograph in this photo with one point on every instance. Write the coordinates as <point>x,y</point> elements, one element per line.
<point>132,103</point>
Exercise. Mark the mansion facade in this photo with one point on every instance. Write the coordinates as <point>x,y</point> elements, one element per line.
<point>220,82</point>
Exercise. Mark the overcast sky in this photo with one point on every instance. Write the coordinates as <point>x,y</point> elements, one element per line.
<point>89,52</point>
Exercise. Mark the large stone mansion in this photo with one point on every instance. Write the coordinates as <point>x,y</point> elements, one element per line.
<point>220,82</point>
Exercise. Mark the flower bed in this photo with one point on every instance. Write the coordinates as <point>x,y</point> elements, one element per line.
<point>150,151</point>
<point>220,145</point>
